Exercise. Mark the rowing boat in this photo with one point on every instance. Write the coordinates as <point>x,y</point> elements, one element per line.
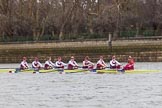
<point>111,71</point>
<point>57,70</point>
<point>108,71</point>
<point>43,71</point>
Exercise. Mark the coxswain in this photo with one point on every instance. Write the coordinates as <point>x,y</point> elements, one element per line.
<point>87,64</point>
<point>59,63</point>
<point>49,64</point>
<point>24,65</point>
<point>36,64</point>
<point>130,64</point>
<point>114,64</point>
<point>72,64</point>
<point>101,64</point>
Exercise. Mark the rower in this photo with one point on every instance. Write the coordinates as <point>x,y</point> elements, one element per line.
<point>36,64</point>
<point>72,64</point>
<point>49,64</point>
<point>130,64</point>
<point>114,64</point>
<point>87,64</point>
<point>59,63</point>
<point>101,64</point>
<point>24,65</point>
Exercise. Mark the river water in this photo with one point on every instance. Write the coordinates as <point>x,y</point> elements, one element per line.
<point>53,90</point>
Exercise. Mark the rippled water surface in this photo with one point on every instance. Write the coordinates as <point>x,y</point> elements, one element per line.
<point>53,90</point>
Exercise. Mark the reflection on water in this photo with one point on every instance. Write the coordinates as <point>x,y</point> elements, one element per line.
<point>53,90</point>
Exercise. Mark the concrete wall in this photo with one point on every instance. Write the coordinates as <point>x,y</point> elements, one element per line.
<point>141,53</point>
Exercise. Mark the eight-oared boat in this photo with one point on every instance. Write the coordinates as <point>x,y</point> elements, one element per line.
<point>107,71</point>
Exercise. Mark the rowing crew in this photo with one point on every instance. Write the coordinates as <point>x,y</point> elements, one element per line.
<point>114,64</point>
<point>72,64</point>
<point>36,65</point>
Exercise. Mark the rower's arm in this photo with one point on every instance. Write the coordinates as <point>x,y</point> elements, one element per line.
<point>111,63</point>
<point>22,63</point>
<point>47,63</point>
<point>64,63</point>
<point>33,65</point>
<point>118,62</point>
<point>100,63</point>
<point>57,64</point>
<point>40,64</point>
<point>76,63</point>
<point>27,65</point>
<point>104,64</point>
<point>52,64</point>
<point>84,63</point>
<point>71,63</point>
<point>91,63</point>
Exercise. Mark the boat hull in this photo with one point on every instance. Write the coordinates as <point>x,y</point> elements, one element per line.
<point>43,71</point>
<point>6,70</point>
<point>127,71</point>
<point>109,71</point>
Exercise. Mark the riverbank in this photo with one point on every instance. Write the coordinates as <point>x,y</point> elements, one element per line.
<point>57,44</point>
<point>142,51</point>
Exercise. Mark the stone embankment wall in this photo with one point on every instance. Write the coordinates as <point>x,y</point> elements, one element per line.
<point>142,51</point>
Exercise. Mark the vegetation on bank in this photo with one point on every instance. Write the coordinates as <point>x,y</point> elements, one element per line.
<point>36,20</point>
<point>123,34</point>
<point>143,53</point>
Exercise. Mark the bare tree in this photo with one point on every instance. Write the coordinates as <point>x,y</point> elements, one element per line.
<point>37,19</point>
